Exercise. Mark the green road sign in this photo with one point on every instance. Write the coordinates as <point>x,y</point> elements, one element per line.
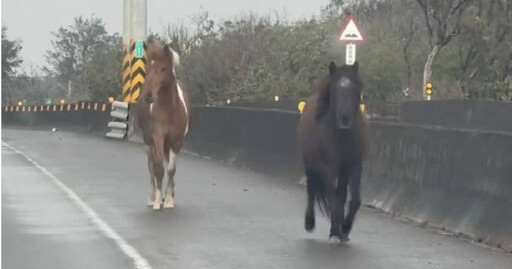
<point>139,49</point>
<point>48,101</point>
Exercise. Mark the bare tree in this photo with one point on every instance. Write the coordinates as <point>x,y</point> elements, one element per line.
<point>404,20</point>
<point>442,20</point>
<point>179,37</point>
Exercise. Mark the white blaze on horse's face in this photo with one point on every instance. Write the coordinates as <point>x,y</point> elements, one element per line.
<point>345,82</point>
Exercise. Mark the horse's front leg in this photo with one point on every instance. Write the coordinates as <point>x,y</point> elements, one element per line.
<point>171,170</point>
<point>337,207</point>
<point>152,190</point>
<point>355,199</point>
<point>158,169</point>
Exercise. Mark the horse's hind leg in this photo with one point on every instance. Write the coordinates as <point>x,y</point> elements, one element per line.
<point>309,219</point>
<point>152,190</point>
<point>312,187</point>
<point>355,199</point>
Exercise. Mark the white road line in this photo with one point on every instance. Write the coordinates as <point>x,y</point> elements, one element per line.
<point>128,250</point>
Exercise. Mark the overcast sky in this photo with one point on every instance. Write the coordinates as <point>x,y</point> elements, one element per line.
<point>32,21</point>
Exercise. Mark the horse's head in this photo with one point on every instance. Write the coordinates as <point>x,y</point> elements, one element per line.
<point>344,93</point>
<point>159,70</point>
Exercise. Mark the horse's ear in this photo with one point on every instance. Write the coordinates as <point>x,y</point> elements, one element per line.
<point>355,66</point>
<point>332,68</point>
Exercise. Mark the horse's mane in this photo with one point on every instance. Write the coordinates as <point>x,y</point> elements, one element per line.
<point>175,58</point>
<point>320,84</point>
<point>322,91</point>
<point>157,52</point>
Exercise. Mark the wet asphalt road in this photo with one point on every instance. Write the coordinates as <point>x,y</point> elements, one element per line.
<point>225,217</point>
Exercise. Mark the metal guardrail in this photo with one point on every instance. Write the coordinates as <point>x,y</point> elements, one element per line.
<point>119,125</point>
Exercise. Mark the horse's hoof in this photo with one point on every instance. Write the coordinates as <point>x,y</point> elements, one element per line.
<point>158,200</point>
<point>335,239</point>
<point>169,204</point>
<point>309,224</point>
<point>168,201</point>
<point>344,238</point>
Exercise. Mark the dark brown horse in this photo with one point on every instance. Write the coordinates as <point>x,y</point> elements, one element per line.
<point>163,115</point>
<point>332,137</point>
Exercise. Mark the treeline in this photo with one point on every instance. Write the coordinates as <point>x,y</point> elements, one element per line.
<point>469,43</point>
<point>463,46</point>
<point>82,64</point>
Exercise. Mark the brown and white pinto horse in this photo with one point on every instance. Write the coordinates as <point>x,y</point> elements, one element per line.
<point>163,111</point>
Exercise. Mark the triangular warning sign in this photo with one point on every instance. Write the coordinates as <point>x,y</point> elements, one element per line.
<point>351,32</point>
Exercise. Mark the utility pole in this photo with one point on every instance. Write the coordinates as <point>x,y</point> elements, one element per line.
<point>138,47</point>
<point>134,48</point>
<point>126,75</point>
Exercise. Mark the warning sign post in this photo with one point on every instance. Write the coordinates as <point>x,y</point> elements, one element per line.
<point>351,35</point>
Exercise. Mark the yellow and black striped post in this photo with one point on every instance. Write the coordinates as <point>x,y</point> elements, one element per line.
<point>137,71</point>
<point>126,75</point>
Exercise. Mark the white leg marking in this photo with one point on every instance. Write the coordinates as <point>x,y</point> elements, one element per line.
<point>182,98</point>
<point>108,231</point>
<point>150,108</point>
<point>158,200</point>
<point>169,201</point>
<point>172,160</point>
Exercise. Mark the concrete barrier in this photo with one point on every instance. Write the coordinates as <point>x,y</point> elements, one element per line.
<point>462,114</point>
<point>92,118</point>
<point>260,140</point>
<point>459,180</point>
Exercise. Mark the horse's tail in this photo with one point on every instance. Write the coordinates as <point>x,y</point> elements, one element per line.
<point>317,188</point>
<point>323,203</point>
